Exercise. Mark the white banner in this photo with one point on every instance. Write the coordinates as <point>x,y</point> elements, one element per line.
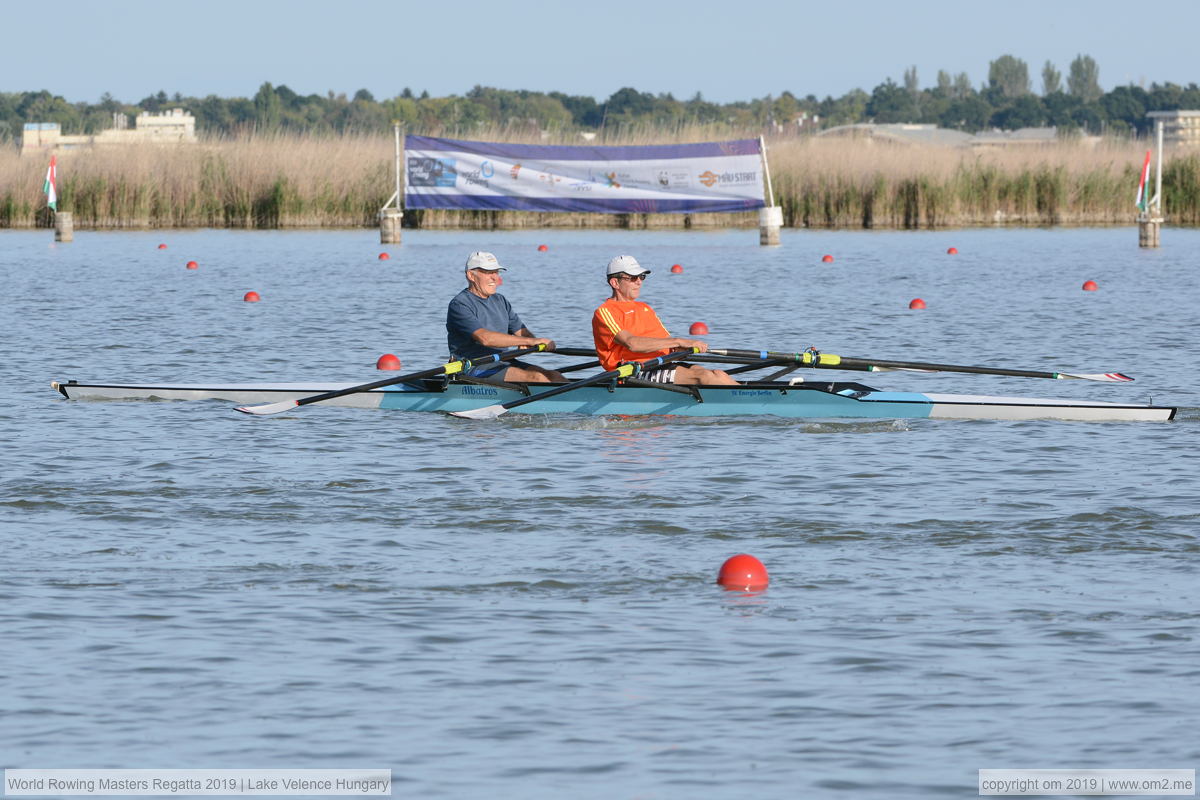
<point>683,179</point>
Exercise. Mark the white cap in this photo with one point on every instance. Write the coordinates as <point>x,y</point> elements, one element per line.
<point>483,260</point>
<point>626,264</point>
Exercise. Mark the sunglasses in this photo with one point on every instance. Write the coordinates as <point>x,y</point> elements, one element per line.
<point>623,276</point>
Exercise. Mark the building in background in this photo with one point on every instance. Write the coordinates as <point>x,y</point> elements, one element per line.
<point>1179,127</point>
<point>172,127</point>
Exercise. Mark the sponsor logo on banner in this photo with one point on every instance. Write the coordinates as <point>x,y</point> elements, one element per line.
<point>486,169</point>
<point>431,172</point>
<point>611,179</point>
<point>516,168</point>
<point>709,178</point>
<point>477,177</point>
<point>674,179</point>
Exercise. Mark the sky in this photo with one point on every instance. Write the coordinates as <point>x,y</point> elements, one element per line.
<point>725,50</point>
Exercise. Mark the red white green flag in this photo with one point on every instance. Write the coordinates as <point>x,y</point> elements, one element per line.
<point>50,187</point>
<point>1143,193</point>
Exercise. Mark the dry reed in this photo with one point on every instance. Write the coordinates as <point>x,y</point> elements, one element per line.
<point>341,181</point>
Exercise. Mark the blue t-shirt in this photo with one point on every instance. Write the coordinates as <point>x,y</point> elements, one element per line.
<point>468,313</point>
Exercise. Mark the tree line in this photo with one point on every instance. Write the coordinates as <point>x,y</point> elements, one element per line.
<point>1006,101</point>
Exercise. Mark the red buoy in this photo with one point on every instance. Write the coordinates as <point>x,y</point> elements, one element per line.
<point>193,265</point>
<point>676,268</point>
<point>828,259</point>
<point>698,329</point>
<point>1090,286</point>
<point>743,573</point>
<point>542,248</point>
<point>251,297</point>
<point>917,303</point>
<point>387,361</point>
<point>384,256</point>
<point>953,251</point>
<point>162,247</point>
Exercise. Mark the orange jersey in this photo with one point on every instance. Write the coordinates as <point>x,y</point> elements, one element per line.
<point>615,316</point>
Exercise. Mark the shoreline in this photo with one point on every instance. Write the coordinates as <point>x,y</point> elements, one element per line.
<point>275,183</point>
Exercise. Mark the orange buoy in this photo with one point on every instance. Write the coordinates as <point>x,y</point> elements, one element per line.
<point>953,251</point>
<point>698,329</point>
<point>193,265</point>
<point>676,268</point>
<point>828,259</point>
<point>251,297</point>
<point>917,303</point>
<point>162,247</point>
<point>387,361</point>
<point>384,256</point>
<point>743,573</point>
<point>1090,286</point>
<point>542,248</point>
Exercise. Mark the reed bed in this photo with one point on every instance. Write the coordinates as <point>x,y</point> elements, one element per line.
<point>284,181</point>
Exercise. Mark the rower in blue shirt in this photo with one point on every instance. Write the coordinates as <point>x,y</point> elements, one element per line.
<point>481,322</point>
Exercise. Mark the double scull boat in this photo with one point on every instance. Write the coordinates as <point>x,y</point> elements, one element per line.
<point>806,399</point>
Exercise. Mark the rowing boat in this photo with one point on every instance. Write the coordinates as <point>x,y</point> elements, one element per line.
<point>797,398</point>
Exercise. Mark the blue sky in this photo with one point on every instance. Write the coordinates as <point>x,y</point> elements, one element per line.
<point>726,50</point>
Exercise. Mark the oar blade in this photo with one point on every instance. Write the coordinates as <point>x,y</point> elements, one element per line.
<point>268,408</point>
<point>1105,377</point>
<point>487,412</point>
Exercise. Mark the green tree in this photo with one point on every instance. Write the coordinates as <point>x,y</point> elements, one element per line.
<point>891,103</point>
<point>1010,75</point>
<point>1051,80</point>
<point>267,108</point>
<point>1083,79</point>
<point>962,86</point>
<point>910,81</point>
<point>1025,111</point>
<point>945,84</point>
<point>968,114</point>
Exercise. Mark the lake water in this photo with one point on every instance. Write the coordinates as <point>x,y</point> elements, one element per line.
<point>526,608</point>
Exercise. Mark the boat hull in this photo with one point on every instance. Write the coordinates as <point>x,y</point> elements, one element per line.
<point>805,401</point>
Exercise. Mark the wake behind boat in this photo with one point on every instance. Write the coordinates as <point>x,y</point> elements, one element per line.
<point>808,398</point>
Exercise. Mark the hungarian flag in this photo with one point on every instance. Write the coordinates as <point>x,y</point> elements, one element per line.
<point>50,187</point>
<point>1143,193</point>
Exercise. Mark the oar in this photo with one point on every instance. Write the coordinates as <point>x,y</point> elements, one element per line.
<point>623,371</point>
<point>445,369</point>
<point>827,360</point>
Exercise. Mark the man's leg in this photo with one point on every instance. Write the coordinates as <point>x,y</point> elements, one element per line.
<point>533,374</point>
<point>699,376</point>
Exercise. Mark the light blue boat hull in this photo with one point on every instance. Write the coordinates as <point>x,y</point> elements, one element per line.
<point>637,401</point>
<point>807,401</point>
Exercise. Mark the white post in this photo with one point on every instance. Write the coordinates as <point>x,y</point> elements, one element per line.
<point>396,128</point>
<point>770,218</point>
<point>1158,134</point>
<point>390,218</point>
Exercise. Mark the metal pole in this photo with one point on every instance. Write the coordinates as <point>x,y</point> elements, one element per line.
<point>762,145</point>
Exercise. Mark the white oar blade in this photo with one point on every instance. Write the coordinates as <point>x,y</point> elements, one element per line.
<point>269,408</point>
<point>487,412</point>
<point>1107,377</point>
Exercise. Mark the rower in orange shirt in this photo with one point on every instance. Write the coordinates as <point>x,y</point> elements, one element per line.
<point>626,329</point>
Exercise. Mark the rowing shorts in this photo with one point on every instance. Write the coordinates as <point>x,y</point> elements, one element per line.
<point>495,370</point>
<point>662,374</point>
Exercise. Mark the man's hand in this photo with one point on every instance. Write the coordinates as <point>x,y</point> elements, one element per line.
<point>689,343</point>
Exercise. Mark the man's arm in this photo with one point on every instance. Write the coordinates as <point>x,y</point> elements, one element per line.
<point>522,338</point>
<point>651,344</point>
